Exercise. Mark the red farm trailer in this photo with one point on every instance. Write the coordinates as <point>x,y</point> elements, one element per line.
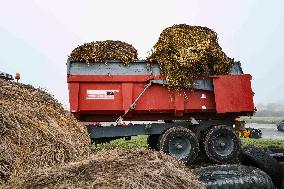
<point>183,122</point>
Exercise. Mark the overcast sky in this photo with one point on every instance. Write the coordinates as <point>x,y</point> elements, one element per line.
<point>37,36</point>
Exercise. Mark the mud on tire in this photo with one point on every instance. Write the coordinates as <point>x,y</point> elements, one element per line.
<point>181,143</point>
<point>221,144</point>
<point>233,177</point>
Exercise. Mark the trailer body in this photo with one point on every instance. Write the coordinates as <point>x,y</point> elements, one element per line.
<point>102,92</point>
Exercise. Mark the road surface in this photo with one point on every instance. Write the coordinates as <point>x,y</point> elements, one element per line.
<point>269,131</point>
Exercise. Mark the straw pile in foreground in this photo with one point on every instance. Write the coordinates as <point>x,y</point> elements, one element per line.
<point>35,131</point>
<point>114,169</point>
<point>104,51</point>
<point>186,52</point>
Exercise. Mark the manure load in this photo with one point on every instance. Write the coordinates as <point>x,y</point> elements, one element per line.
<point>104,51</point>
<point>35,131</point>
<point>180,67</point>
<point>186,52</point>
<point>114,169</point>
<point>183,53</point>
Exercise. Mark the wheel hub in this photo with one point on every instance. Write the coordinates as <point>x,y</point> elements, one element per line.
<point>179,147</point>
<point>223,145</point>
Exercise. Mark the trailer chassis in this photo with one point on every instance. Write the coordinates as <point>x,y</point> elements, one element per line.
<point>181,139</point>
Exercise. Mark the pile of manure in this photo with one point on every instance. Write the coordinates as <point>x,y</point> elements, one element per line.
<point>187,52</point>
<point>104,51</point>
<point>114,169</point>
<point>35,131</point>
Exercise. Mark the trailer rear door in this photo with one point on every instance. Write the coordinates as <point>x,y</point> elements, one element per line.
<point>233,93</point>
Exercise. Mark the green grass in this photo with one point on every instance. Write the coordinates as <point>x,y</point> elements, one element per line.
<point>262,142</point>
<point>141,142</point>
<point>135,142</point>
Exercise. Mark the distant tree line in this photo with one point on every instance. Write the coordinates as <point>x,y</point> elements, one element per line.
<point>270,110</point>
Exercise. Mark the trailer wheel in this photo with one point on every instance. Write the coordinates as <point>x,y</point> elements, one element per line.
<point>152,141</point>
<point>259,158</point>
<point>221,144</point>
<point>181,143</point>
<point>233,177</point>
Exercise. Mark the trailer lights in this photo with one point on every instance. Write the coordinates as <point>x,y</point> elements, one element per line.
<point>18,76</point>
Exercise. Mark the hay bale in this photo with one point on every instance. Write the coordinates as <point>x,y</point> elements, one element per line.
<point>186,52</point>
<point>35,131</point>
<point>114,169</point>
<point>103,51</point>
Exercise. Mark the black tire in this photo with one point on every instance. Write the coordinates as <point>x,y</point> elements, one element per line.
<point>181,143</point>
<point>256,133</point>
<point>202,157</point>
<point>233,177</point>
<point>221,144</point>
<point>259,158</point>
<point>152,141</point>
<point>280,127</point>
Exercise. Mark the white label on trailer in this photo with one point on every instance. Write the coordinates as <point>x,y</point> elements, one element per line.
<point>101,94</point>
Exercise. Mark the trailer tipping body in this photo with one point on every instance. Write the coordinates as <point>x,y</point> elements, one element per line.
<point>104,92</point>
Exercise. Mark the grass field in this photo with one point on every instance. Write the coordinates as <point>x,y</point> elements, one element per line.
<point>135,142</point>
<point>263,142</point>
<point>141,142</point>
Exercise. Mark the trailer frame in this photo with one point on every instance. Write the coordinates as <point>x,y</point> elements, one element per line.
<point>112,132</point>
